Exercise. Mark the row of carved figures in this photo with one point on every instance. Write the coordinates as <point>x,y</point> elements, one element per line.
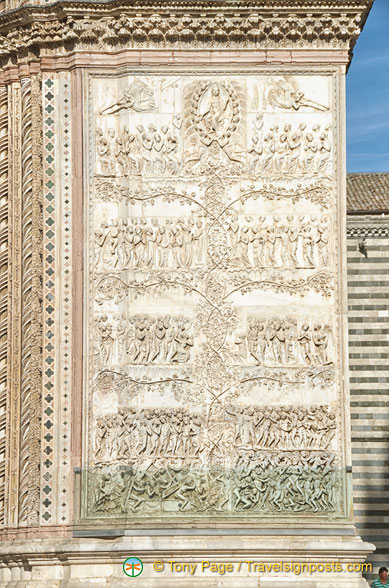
<point>296,242</point>
<point>135,243</point>
<point>138,151</point>
<point>154,151</point>
<point>142,339</point>
<point>284,342</point>
<point>295,150</point>
<point>151,433</point>
<point>293,488</point>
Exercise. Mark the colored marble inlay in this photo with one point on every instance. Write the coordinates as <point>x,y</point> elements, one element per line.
<point>49,163</point>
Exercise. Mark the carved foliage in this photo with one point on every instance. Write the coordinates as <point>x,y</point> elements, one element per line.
<point>166,26</point>
<point>32,301</point>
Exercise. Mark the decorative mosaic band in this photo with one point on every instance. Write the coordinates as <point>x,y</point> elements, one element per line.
<point>48,497</point>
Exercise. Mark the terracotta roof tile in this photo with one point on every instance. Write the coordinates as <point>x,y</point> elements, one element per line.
<point>368,192</point>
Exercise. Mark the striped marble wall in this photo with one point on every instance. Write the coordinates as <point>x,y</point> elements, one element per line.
<point>368,297</point>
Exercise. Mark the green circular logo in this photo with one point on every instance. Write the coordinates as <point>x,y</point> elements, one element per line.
<point>133,567</point>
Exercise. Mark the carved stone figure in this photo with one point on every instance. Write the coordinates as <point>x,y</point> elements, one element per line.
<point>284,342</point>
<point>284,93</point>
<point>137,97</point>
<point>135,151</point>
<point>155,243</point>
<point>294,151</point>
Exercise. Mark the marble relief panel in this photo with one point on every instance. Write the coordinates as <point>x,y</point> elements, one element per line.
<point>212,340</point>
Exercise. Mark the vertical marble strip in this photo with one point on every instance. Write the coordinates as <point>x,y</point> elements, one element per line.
<point>65,306</point>
<point>3,286</point>
<point>14,305</point>
<point>51,425</point>
<point>30,417</point>
<point>26,294</point>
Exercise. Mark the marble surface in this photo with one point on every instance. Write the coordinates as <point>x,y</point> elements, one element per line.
<point>213,336</point>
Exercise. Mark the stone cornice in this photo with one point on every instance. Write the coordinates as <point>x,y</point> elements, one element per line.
<point>367,225</point>
<point>62,27</point>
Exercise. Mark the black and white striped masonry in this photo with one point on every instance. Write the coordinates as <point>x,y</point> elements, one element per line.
<point>368,312</point>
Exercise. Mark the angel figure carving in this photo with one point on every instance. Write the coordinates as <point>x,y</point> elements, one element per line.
<point>137,97</point>
<point>285,93</point>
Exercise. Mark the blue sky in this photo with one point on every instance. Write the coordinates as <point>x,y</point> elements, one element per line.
<point>368,95</point>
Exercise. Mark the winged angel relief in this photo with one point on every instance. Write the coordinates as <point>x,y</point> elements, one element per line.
<point>285,93</point>
<point>137,97</point>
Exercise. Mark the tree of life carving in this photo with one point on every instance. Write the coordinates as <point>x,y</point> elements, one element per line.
<point>214,352</point>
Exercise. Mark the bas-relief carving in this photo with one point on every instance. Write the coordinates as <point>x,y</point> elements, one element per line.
<point>197,266</point>
<point>284,93</point>
<point>286,482</point>
<point>262,242</point>
<point>275,341</point>
<point>132,151</point>
<point>142,339</point>
<point>285,150</point>
<point>160,435</point>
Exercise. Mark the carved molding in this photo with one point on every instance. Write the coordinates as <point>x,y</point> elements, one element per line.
<point>14,303</point>
<point>31,390</point>
<point>62,27</point>
<point>368,229</point>
<point>3,289</point>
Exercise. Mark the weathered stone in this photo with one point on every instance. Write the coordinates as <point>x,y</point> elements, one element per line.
<point>177,329</point>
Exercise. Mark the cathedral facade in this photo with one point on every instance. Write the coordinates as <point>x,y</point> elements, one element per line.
<point>174,362</point>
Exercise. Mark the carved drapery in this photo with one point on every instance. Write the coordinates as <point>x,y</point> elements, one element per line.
<point>3,285</point>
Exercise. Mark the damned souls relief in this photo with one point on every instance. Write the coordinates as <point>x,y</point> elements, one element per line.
<point>212,385</point>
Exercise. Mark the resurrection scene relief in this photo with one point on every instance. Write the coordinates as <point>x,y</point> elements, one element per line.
<point>213,381</point>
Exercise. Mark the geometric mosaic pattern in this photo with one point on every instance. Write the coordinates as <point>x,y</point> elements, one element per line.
<point>63,429</point>
<point>49,227</point>
<point>56,438</point>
